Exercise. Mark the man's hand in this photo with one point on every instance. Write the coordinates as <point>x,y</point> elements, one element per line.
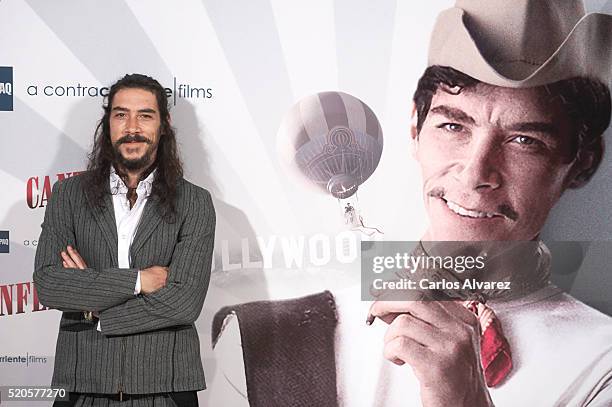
<point>152,279</point>
<point>71,259</point>
<point>440,340</point>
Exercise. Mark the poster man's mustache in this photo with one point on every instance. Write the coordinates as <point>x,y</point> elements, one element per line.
<point>503,209</point>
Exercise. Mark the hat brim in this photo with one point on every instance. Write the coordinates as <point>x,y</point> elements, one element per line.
<point>585,52</point>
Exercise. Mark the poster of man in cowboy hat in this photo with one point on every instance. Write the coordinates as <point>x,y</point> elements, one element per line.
<point>508,115</point>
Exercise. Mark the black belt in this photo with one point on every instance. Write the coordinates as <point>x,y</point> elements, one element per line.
<point>180,398</point>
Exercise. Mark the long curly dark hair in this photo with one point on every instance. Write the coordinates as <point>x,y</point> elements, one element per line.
<point>168,163</point>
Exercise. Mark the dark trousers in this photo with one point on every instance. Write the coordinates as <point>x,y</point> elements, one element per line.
<point>180,398</point>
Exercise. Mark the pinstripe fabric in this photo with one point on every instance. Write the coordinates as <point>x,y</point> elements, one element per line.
<point>148,343</point>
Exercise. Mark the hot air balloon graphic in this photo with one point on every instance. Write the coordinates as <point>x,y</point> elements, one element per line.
<point>334,141</point>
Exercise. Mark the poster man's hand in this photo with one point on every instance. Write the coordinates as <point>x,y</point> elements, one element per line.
<point>440,340</point>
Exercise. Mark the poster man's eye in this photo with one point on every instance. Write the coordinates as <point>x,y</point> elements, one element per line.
<point>452,127</point>
<point>525,140</point>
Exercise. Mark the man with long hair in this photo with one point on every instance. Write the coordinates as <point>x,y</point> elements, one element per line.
<point>125,253</point>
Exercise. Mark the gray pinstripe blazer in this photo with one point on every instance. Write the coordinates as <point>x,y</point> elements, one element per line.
<point>148,343</point>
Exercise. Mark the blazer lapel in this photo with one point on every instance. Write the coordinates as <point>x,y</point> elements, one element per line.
<point>148,223</point>
<point>105,218</point>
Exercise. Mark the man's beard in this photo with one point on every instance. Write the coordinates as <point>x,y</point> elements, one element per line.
<point>133,164</point>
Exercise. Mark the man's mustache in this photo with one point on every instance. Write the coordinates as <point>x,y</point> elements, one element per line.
<point>130,138</point>
<point>503,209</point>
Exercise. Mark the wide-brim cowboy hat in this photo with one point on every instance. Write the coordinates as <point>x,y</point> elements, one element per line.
<point>523,43</point>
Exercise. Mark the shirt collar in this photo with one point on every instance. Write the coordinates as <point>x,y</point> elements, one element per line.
<point>118,187</point>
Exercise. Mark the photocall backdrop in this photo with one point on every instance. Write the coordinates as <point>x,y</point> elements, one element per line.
<point>234,68</point>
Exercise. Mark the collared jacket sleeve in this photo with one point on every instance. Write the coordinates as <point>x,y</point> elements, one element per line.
<point>180,301</point>
<point>68,289</point>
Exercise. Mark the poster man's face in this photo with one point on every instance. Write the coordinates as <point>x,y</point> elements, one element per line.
<point>494,162</point>
<point>135,124</point>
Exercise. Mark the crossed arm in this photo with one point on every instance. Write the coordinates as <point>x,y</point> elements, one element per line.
<point>151,279</point>
<point>180,301</point>
<point>70,289</point>
<point>110,292</point>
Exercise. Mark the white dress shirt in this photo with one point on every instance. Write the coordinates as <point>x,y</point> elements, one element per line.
<point>127,219</point>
